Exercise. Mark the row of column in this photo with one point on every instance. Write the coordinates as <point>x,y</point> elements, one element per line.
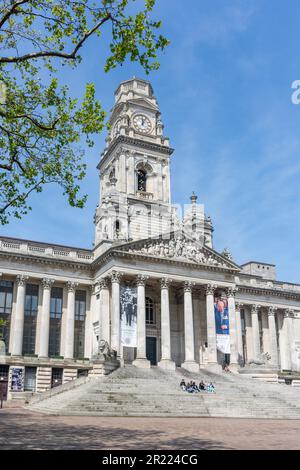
<point>43,319</point>
<point>166,360</point>
<point>253,342</point>
<point>235,325</point>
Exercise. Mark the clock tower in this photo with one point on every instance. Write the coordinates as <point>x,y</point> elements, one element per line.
<point>135,199</point>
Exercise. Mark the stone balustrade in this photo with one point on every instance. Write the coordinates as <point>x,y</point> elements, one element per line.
<point>34,249</point>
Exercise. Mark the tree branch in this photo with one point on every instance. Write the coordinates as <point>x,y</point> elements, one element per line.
<point>13,9</point>
<point>72,55</point>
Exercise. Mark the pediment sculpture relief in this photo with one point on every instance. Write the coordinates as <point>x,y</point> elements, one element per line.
<point>181,249</point>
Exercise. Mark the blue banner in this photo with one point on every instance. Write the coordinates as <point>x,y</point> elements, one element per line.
<point>222,325</point>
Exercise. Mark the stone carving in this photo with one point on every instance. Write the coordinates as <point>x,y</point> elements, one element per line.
<point>115,276</point>
<point>210,289</point>
<point>21,279</point>
<point>272,310</point>
<point>165,282</point>
<point>260,360</point>
<point>226,253</point>
<point>141,279</point>
<point>105,352</point>
<point>71,286</point>
<point>47,283</point>
<point>288,313</point>
<point>179,248</point>
<point>188,286</point>
<point>231,291</point>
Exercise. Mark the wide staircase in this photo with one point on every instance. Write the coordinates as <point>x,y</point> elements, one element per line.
<point>130,391</point>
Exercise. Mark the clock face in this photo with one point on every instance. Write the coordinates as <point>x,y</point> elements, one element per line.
<point>142,123</point>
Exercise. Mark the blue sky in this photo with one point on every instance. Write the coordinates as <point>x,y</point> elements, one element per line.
<point>224,89</point>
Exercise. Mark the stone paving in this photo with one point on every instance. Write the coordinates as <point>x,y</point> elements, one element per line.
<point>23,429</point>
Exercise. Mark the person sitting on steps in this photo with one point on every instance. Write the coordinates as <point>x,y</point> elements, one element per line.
<point>211,388</point>
<point>202,386</point>
<point>183,385</point>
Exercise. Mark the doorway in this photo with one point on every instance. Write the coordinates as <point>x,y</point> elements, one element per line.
<point>3,382</point>
<point>30,379</point>
<point>151,352</point>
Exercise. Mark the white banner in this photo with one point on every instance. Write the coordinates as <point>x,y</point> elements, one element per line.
<point>223,343</point>
<point>128,300</point>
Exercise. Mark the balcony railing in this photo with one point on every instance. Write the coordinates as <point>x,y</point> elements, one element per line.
<point>144,195</point>
<point>33,249</point>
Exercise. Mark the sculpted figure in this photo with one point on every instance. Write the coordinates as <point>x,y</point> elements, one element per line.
<point>105,352</point>
<point>172,249</point>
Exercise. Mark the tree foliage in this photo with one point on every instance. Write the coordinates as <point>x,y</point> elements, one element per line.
<point>2,325</point>
<point>41,124</point>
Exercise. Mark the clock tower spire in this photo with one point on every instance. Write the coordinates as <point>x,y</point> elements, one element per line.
<point>135,196</point>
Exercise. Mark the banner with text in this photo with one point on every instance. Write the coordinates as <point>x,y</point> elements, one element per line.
<point>128,298</point>
<point>222,325</point>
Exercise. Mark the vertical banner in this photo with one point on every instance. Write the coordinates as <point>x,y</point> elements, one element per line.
<point>222,325</point>
<point>17,376</point>
<point>128,299</point>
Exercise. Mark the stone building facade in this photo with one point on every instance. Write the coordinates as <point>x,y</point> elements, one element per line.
<point>59,301</point>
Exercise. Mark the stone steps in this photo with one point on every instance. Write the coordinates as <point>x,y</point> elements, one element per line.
<point>136,392</point>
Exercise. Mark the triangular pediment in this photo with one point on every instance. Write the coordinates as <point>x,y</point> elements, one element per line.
<point>179,247</point>
<point>143,102</point>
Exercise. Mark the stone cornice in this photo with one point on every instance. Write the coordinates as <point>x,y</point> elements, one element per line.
<point>265,291</point>
<point>122,139</point>
<point>46,260</point>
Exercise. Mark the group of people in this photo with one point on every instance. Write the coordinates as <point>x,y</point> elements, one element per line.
<point>192,387</point>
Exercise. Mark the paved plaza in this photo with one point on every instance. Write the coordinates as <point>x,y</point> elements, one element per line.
<point>20,429</point>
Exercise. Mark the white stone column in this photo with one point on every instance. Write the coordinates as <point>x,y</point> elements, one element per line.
<point>70,320</point>
<point>249,337</point>
<point>255,330</point>
<point>115,314</point>
<point>286,353</point>
<point>104,317</point>
<point>265,332</point>
<point>88,323</point>
<point>17,338</point>
<point>239,333</point>
<point>166,361</point>
<point>232,327</point>
<point>211,325</point>
<point>141,360</point>
<point>189,343</point>
<point>45,318</point>
<point>273,337</point>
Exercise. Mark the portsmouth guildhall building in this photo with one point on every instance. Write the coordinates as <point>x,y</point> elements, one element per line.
<point>152,290</point>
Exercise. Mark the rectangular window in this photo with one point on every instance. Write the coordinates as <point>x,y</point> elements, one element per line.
<point>56,307</point>
<point>56,302</point>
<point>31,300</point>
<point>80,312</point>
<point>150,317</point>
<point>29,336</point>
<point>6,293</point>
<point>6,300</point>
<point>80,305</point>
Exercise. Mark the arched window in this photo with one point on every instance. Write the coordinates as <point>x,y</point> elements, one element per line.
<point>150,317</point>
<point>117,227</point>
<point>141,180</point>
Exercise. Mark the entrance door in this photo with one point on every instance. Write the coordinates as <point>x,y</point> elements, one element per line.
<point>30,379</point>
<point>57,377</point>
<point>151,350</point>
<point>3,382</point>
